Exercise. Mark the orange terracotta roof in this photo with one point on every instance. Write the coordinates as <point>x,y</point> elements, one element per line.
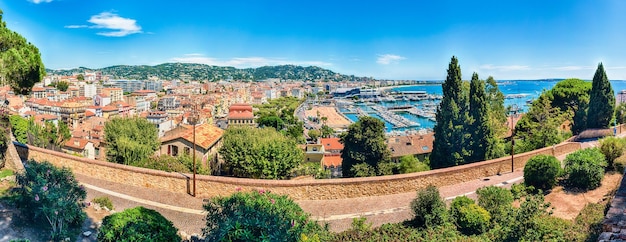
<point>332,160</point>
<point>411,144</point>
<point>331,144</point>
<point>206,135</point>
<point>38,89</point>
<point>240,115</point>
<point>109,108</point>
<point>76,143</point>
<point>89,114</point>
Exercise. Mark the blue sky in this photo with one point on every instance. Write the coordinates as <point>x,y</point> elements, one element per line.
<point>383,39</point>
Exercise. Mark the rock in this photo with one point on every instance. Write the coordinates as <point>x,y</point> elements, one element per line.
<point>605,236</point>
<point>87,233</point>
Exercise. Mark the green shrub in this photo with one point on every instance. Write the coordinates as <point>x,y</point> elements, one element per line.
<point>456,205</point>
<point>363,170</point>
<point>360,224</point>
<point>428,208</point>
<point>612,148</point>
<point>257,216</point>
<point>103,201</point>
<point>473,219</point>
<point>585,168</point>
<point>386,168</point>
<point>137,224</point>
<point>542,171</point>
<point>410,164</point>
<point>50,196</point>
<point>495,200</point>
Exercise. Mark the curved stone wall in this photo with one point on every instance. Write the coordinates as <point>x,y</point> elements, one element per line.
<point>209,186</point>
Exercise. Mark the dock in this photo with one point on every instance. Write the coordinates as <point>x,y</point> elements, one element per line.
<point>396,120</point>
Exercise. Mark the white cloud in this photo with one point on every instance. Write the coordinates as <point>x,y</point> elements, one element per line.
<point>243,62</point>
<point>115,25</point>
<point>387,59</point>
<point>572,68</point>
<point>505,68</point>
<point>40,1</point>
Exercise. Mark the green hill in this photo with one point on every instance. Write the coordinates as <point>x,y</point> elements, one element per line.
<point>190,71</point>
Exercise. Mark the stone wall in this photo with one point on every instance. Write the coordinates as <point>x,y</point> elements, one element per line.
<point>208,186</point>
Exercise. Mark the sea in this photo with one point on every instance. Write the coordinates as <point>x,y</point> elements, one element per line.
<point>519,93</point>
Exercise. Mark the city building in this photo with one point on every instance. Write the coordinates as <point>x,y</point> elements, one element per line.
<point>115,93</point>
<point>240,114</point>
<point>207,139</point>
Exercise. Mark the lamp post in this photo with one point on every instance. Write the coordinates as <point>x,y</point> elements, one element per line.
<point>513,116</point>
<point>194,121</point>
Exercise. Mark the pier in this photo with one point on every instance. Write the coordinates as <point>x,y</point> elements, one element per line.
<point>396,120</point>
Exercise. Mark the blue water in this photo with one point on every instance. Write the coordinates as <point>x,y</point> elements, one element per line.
<point>529,89</point>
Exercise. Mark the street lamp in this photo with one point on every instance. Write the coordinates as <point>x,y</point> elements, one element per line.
<point>193,120</point>
<point>513,117</point>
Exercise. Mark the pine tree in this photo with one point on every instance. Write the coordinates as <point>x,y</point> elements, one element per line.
<point>601,101</point>
<point>448,147</point>
<point>480,132</point>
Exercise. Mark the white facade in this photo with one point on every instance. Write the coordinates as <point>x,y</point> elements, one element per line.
<point>90,90</point>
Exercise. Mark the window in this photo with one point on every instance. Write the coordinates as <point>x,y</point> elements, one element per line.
<point>172,150</point>
<point>187,150</point>
<point>314,148</point>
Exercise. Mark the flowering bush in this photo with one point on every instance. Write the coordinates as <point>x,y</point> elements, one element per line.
<point>52,196</point>
<point>257,216</point>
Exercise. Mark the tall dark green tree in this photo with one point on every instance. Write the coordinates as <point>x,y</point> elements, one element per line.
<point>364,143</point>
<point>20,61</point>
<point>449,132</point>
<point>481,135</point>
<point>601,101</point>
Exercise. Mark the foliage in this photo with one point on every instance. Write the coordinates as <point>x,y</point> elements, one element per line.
<point>63,86</point>
<point>410,164</point>
<point>5,172</point>
<point>497,116</point>
<point>362,170</point>
<point>104,201</point>
<point>311,169</point>
<point>51,196</point>
<point>481,140</point>
<point>259,153</point>
<point>496,200</point>
<point>448,147</point>
<point>130,140</point>
<point>542,171</point>
<point>428,208</point>
<point>137,224</point>
<point>386,168</point>
<point>620,112</point>
<point>588,224</point>
<point>601,101</point>
<point>571,97</point>
<point>327,131</point>
<point>257,216</point>
<point>20,61</point>
<point>314,134</point>
<point>364,142</point>
<point>585,168</point>
<point>19,126</point>
<point>539,127</point>
<point>473,219</point>
<point>360,224</point>
<point>612,148</point>
<point>271,121</point>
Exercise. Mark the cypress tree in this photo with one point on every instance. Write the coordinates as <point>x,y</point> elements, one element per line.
<point>481,135</point>
<point>601,101</point>
<point>449,132</point>
<point>364,143</point>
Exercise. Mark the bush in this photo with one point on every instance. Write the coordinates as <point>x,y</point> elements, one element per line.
<point>257,216</point>
<point>585,168</point>
<point>428,208</point>
<point>360,224</point>
<point>495,200</point>
<point>410,164</point>
<point>137,224</point>
<point>456,205</point>
<point>542,171</point>
<point>473,219</point>
<point>51,196</point>
<point>363,170</point>
<point>103,202</point>
<point>386,168</point>
<point>612,148</point>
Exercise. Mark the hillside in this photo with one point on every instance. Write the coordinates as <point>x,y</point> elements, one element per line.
<point>169,71</point>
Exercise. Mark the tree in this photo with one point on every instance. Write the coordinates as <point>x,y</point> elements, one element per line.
<point>448,147</point>
<point>541,171</point>
<point>130,140</point>
<point>428,208</point>
<point>327,131</point>
<point>259,153</point>
<point>362,170</point>
<point>601,101</point>
<point>80,77</point>
<point>481,136</point>
<point>540,126</point>
<point>364,142</point>
<point>51,196</point>
<point>19,126</point>
<point>63,86</point>
<point>314,134</point>
<point>496,200</point>
<point>137,224</point>
<point>584,168</point>
<point>257,216</point>
<point>571,97</point>
<point>612,148</point>
<point>271,121</point>
<point>497,116</point>
<point>20,61</point>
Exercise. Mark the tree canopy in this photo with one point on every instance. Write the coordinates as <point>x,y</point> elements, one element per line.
<point>129,140</point>
<point>259,153</point>
<point>364,142</point>
<point>20,61</point>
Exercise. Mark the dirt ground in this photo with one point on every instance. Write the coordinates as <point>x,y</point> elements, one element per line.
<point>567,204</point>
<point>334,118</point>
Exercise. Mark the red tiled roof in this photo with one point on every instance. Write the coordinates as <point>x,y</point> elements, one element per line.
<point>76,143</point>
<point>206,135</point>
<point>240,115</point>
<point>89,114</point>
<point>411,144</point>
<point>332,160</point>
<point>331,144</point>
